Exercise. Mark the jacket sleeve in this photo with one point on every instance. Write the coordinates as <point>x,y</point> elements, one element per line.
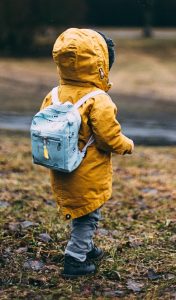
<point>46,101</point>
<point>106,128</point>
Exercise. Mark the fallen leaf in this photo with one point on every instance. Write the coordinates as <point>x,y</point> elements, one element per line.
<point>168,222</point>
<point>134,286</point>
<point>52,267</point>
<point>35,265</point>
<point>113,293</point>
<point>50,202</point>
<point>150,191</point>
<point>134,242</point>
<point>152,275</point>
<point>4,204</point>
<point>21,250</point>
<point>102,231</point>
<point>169,276</point>
<point>45,237</point>
<point>14,226</point>
<point>150,235</point>
<point>8,250</point>
<point>115,233</point>
<point>26,224</point>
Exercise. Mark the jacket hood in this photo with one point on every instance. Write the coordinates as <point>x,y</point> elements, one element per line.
<point>81,56</point>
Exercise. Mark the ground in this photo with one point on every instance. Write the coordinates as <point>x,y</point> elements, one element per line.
<point>138,229</point>
<point>137,232</point>
<point>143,68</point>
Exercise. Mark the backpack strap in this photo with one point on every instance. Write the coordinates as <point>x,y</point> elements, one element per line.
<point>81,102</point>
<point>55,100</point>
<point>88,96</point>
<point>54,96</point>
<point>90,141</point>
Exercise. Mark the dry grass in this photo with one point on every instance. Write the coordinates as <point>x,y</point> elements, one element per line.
<point>138,231</point>
<point>145,68</point>
<point>25,82</point>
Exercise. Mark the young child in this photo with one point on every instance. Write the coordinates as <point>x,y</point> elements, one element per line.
<point>84,58</point>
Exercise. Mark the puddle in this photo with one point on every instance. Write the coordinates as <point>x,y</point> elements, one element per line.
<point>141,131</point>
<point>15,121</point>
<point>147,133</point>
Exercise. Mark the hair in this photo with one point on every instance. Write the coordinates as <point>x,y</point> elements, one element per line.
<point>111,50</point>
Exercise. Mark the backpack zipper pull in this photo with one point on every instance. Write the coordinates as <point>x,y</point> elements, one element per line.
<point>45,150</point>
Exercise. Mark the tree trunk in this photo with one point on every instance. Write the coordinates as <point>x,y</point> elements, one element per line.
<point>147,30</point>
<point>148,17</point>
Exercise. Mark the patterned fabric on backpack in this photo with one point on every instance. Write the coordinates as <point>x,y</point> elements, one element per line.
<point>54,134</point>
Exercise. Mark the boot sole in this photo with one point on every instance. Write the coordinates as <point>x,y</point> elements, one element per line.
<point>68,276</point>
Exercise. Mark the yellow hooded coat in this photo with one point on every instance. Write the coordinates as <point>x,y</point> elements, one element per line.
<point>82,60</point>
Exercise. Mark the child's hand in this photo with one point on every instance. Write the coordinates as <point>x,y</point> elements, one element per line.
<point>132,146</point>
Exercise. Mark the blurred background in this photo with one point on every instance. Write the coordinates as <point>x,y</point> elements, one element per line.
<point>143,76</point>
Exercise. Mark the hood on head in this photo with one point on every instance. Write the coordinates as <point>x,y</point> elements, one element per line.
<point>82,58</point>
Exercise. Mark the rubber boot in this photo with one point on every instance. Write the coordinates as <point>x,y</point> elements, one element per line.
<point>74,268</point>
<point>95,254</point>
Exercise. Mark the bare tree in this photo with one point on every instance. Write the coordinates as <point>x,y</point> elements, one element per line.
<point>148,17</point>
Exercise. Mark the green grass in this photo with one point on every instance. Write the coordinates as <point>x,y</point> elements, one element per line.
<point>138,230</point>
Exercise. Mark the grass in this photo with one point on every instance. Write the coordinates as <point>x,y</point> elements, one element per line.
<point>138,230</point>
<point>144,68</point>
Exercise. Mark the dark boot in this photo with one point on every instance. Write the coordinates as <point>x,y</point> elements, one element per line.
<point>95,254</point>
<point>74,268</point>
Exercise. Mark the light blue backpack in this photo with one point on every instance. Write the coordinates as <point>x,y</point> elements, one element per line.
<point>54,134</point>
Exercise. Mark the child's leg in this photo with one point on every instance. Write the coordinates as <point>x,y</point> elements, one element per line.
<point>82,232</point>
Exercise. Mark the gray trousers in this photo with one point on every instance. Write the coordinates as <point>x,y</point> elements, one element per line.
<point>82,231</point>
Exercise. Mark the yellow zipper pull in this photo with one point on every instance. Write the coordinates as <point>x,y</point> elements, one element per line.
<point>45,150</point>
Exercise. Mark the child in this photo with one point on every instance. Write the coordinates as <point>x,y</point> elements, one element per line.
<point>84,58</point>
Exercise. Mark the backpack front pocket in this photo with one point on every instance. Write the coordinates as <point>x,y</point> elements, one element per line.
<point>48,151</point>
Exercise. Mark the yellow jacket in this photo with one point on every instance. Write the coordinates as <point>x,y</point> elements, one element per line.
<point>82,61</point>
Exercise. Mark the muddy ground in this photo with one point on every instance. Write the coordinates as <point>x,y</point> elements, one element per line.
<point>138,229</point>
<point>137,232</point>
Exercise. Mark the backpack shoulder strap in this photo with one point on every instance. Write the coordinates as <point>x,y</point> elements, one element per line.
<point>54,96</point>
<point>88,96</point>
<point>81,102</point>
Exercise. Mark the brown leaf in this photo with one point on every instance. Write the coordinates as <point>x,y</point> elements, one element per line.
<point>45,237</point>
<point>14,226</point>
<point>35,265</point>
<point>21,250</point>
<point>134,286</point>
<point>26,224</point>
